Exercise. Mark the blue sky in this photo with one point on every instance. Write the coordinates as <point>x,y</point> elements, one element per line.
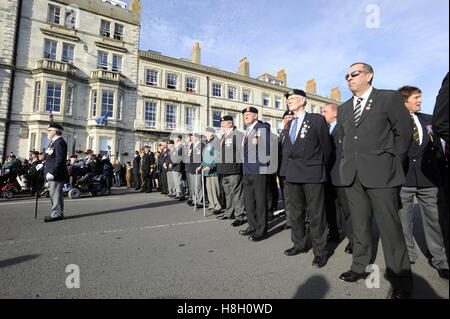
<point>310,39</point>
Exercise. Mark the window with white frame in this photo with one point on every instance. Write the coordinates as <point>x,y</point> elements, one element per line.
<point>190,117</point>
<point>45,141</point>
<point>54,14</point>
<point>246,96</point>
<point>102,60</point>
<point>266,100</point>
<point>217,118</point>
<point>171,81</point>
<point>232,93</point>
<point>117,63</point>
<point>120,107</point>
<point>151,77</point>
<point>50,49</point>
<point>118,31</point>
<point>150,114</point>
<point>94,103</point>
<point>191,85</point>
<point>171,116</point>
<point>107,103</point>
<point>69,99</point>
<point>53,98</point>
<point>277,102</point>
<point>33,141</point>
<point>217,89</point>
<point>70,18</point>
<point>105,28</point>
<point>37,96</point>
<point>68,52</point>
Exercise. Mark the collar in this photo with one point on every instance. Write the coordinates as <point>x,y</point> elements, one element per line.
<point>366,94</point>
<point>55,138</point>
<point>250,128</point>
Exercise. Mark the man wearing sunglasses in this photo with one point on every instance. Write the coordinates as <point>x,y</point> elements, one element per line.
<point>375,128</point>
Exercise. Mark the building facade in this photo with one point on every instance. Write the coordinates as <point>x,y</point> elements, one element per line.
<point>80,65</point>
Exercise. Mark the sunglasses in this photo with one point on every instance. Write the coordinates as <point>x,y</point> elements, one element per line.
<point>354,74</point>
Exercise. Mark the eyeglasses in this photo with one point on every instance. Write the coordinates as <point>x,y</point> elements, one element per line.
<point>293,98</point>
<point>354,74</point>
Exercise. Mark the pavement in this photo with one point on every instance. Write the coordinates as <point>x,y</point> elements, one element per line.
<point>136,245</point>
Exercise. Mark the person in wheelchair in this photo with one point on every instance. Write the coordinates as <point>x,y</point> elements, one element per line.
<point>10,170</point>
<point>91,167</point>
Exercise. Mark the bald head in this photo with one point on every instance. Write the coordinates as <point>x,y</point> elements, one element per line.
<point>329,111</point>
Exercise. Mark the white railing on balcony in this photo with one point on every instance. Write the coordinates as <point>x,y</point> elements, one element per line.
<point>53,65</point>
<point>107,75</point>
<point>150,124</point>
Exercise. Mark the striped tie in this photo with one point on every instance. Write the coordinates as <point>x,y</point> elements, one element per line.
<point>357,111</point>
<point>415,130</point>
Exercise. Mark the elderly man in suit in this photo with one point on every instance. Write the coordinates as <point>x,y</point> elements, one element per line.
<point>55,171</point>
<point>306,152</point>
<point>424,176</point>
<point>375,128</point>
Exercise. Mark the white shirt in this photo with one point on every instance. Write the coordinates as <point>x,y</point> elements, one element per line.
<point>300,119</point>
<point>332,126</point>
<point>419,127</point>
<point>365,97</point>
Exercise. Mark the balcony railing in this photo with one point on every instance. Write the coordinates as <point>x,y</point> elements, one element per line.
<point>58,66</point>
<point>150,124</point>
<point>107,75</point>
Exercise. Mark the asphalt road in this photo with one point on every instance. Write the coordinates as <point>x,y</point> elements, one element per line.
<point>134,245</point>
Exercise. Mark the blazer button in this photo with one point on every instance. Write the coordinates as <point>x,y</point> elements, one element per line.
<point>356,137</point>
<point>414,160</point>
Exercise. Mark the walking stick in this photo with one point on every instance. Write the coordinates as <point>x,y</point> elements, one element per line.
<point>37,197</point>
<point>203,195</point>
<point>195,191</point>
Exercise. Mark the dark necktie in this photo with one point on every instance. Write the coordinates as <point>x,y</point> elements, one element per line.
<point>416,135</point>
<point>293,133</point>
<point>357,111</point>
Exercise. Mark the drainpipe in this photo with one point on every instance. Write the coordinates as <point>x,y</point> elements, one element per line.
<point>13,76</point>
<point>208,106</point>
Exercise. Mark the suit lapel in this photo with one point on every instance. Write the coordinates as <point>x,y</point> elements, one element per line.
<point>298,139</point>
<point>370,104</point>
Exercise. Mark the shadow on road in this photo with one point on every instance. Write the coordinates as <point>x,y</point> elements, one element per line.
<point>17,260</point>
<point>118,210</point>
<point>316,287</point>
<point>421,288</point>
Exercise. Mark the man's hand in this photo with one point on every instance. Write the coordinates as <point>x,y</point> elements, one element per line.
<point>198,168</point>
<point>49,177</point>
<point>207,169</point>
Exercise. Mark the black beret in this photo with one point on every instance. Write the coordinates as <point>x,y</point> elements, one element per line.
<point>227,118</point>
<point>88,151</point>
<point>288,113</point>
<point>147,146</point>
<point>55,125</point>
<point>295,92</point>
<point>250,109</point>
<point>210,130</point>
<point>170,142</point>
<point>197,135</point>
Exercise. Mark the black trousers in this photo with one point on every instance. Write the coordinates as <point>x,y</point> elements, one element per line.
<point>337,211</point>
<point>146,181</point>
<point>137,178</point>
<point>272,193</point>
<point>298,197</point>
<point>163,181</point>
<point>383,203</point>
<point>255,202</point>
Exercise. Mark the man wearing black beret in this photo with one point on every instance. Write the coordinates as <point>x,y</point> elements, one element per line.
<point>55,171</point>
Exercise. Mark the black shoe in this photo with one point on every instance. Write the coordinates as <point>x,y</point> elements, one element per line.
<point>48,219</point>
<point>294,251</point>
<point>181,199</point>
<point>217,211</point>
<point>349,248</point>
<point>400,294</point>
<point>238,222</point>
<point>222,217</point>
<point>351,276</point>
<point>190,204</point>
<point>443,273</point>
<point>246,232</point>
<point>256,237</point>
<point>199,206</point>
<point>319,261</point>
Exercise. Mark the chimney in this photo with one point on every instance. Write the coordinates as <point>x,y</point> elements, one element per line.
<point>136,6</point>
<point>335,94</point>
<point>196,53</point>
<point>244,67</point>
<point>281,75</point>
<point>311,86</point>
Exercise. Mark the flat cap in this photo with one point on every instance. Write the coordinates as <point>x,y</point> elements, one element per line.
<point>210,130</point>
<point>227,118</point>
<point>295,92</point>
<point>250,109</point>
<point>88,151</point>
<point>56,126</point>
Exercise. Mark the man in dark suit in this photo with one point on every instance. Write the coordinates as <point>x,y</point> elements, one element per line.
<point>306,154</point>
<point>256,167</point>
<point>194,159</point>
<point>136,175</point>
<point>375,128</point>
<point>55,171</point>
<point>336,204</point>
<point>229,166</point>
<point>424,176</point>
<point>147,162</point>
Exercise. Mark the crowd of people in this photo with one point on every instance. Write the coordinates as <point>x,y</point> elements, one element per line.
<point>336,171</point>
